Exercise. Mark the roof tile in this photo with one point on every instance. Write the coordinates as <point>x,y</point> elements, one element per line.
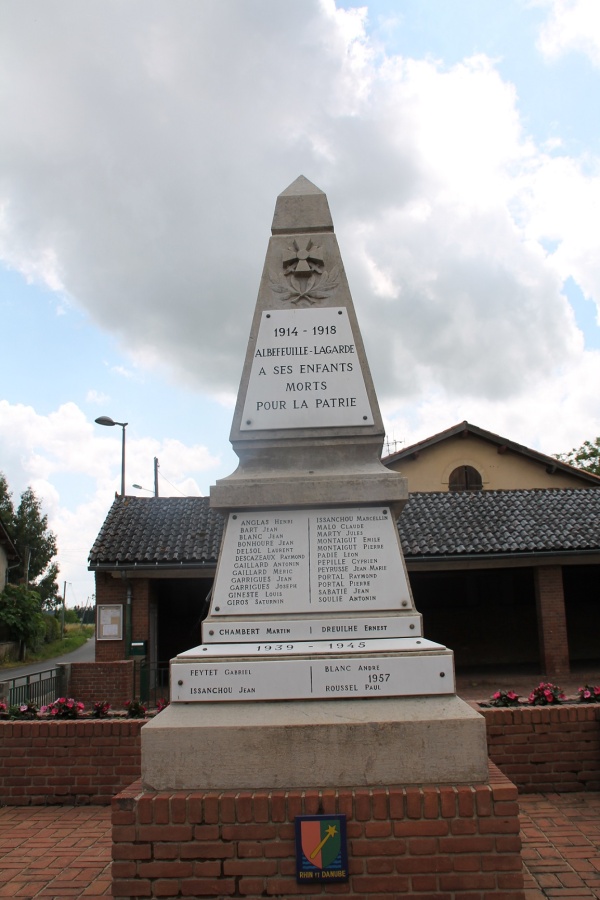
<point>186,531</point>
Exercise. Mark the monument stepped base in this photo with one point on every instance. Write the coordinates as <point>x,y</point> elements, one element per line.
<point>436,841</point>
<point>308,744</point>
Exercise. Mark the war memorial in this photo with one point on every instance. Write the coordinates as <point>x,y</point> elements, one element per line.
<point>314,742</point>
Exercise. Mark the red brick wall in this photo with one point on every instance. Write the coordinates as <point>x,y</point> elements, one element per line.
<point>552,621</point>
<point>110,590</point>
<point>551,748</point>
<point>70,762</point>
<point>538,748</point>
<point>142,590</point>
<point>445,842</point>
<point>112,681</point>
<point>114,590</point>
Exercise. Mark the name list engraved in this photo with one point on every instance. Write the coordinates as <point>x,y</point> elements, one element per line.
<point>305,373</point>
<point>310,561</point>
<point>243,630</point>
<point>329,678</point>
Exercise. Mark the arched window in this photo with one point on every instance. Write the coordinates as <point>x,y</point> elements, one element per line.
<point>465,478</point>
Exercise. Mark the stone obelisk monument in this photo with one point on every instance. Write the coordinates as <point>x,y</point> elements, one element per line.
<point>313,671</point>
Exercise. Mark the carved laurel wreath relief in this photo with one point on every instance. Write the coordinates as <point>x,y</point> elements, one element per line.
<point>304,278</point>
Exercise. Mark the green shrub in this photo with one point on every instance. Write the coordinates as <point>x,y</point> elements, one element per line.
<point>52,626</point>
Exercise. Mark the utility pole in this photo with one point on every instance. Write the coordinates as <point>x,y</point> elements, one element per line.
<point>156,476</point>
<point>62,618</point>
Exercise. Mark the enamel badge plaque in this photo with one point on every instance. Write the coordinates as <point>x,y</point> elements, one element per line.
<point>321,849</point>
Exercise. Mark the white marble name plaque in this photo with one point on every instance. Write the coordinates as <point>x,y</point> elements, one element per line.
<point>310,561</point>
<point>306,372</point>
<point>302,679</point>
<point>243,630</point>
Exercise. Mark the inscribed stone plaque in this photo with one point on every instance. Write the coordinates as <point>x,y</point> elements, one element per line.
<point>310,648</point>
<point>330,677</point>
<point>305,373</point>
<point>243,630</point>
<point>310,561</point>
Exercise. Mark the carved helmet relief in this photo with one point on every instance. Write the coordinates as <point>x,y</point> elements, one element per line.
<point>304,278</point>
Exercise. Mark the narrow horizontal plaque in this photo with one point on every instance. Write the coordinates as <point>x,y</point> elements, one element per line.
<point>329,678</point>
<point>306,373</point>
<point>310,561</point>
<point>243,630</point>
<point>310,648</point>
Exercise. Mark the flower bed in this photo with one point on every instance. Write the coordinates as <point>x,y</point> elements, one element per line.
<point>548,742</point>
<point>68,708</point>
<point>555,747</point>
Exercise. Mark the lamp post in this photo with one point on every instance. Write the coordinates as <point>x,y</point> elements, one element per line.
<point>106,420</point>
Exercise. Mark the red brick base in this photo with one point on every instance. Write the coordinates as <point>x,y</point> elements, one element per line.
<point>436,842</point>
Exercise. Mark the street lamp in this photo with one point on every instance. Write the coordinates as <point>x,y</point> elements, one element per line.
<point>106,420</point>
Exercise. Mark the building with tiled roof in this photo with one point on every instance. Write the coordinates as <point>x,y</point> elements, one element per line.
<point>468,457</point>
<point>179,533</point>
<point>502,577</point>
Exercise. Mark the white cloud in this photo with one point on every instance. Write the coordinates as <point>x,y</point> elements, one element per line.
<point>534,421</point>
<point>573,25</point>
<point>74,468</point>
<point>140,161</point>
<point>144,165</point>
<point>96,397</point>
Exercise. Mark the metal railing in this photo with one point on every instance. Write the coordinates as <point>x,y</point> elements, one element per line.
<point>40,688</point>
<point>151,681</point>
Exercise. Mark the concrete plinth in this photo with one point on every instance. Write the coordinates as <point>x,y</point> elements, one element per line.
<point>252,746</point>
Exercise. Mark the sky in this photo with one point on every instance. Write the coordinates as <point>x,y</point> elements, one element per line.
<point>142,147</point>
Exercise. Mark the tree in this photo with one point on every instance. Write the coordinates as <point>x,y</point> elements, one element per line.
<point>7,512</point>
<point>586,457</point>
<point>21,614</point>
<point>27,527</point>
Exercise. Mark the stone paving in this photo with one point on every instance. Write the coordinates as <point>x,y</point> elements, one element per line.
<point>63,852</point>
<point>561,845</point>
<point>55,852</point>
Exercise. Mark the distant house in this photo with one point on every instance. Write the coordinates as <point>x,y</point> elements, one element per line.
<point>469,458</point>
<point>502,576</point>
<point>8,554</point>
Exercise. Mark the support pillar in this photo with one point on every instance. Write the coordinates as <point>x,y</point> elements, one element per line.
<point>552,621</point>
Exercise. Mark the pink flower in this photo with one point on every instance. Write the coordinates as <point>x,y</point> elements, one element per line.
<point>512,696</point>
<point>496,696</point>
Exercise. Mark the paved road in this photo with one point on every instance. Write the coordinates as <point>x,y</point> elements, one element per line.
<point>85,653</point>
